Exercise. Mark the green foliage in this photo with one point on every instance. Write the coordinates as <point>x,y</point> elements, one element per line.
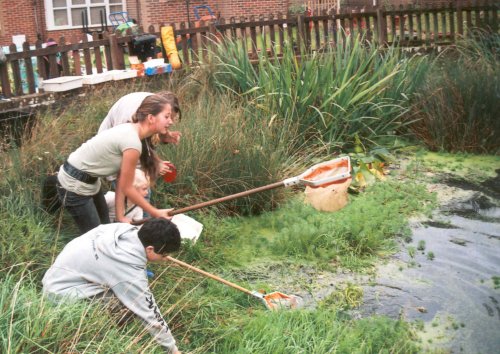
<point>367,226</point>
<point>421,245</point>
<point>430,256</point>
<point>30,323</point>
<point>411,251</point>
<point>354,89</point>
<point>346,297</point>
<point>26,235</point>
<point>223,152</point>
<point>315,332</point>
<point>496,282</point>
<point>209,322</point>
<point>455,108</point>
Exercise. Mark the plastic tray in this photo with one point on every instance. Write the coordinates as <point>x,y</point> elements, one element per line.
<point>97,78</point>
<point>63,83</point>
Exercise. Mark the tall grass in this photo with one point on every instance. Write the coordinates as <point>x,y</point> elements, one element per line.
<point>367,227</point>
<point>352,89</point>
<point>317,332</point>
<point>31,323</point>
<point>223,151</point>
<point>205,319</point>
<point>456,110</point>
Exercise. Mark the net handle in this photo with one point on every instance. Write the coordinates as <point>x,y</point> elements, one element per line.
<point>209,275</point>
<point>285,183</point>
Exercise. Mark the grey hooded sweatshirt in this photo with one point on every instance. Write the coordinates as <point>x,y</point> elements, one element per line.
<point>109,257</point>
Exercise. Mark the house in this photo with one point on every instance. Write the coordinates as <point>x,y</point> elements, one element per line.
<point>44,19</point>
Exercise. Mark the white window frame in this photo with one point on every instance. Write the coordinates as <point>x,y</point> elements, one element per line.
<point>49,13</point>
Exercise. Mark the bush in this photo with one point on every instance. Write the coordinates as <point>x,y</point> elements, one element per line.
<point>351,89</point>
<point>456,110</point>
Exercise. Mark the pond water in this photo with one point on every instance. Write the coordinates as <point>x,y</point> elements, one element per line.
<point>452,282</point>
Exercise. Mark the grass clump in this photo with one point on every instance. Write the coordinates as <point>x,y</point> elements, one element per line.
<point>346,297</point>
<point>351,90</point>
<point>223,152</point>
<point>315,332</point>
<point>430,256</point>
<point>366,227</point>
<point>455,108</point>
<point>496,282</point>
<point>30,323</point>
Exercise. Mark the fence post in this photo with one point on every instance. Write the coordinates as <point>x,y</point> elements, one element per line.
<point>494,7</point>
<point>4,78</point>
<point>75,55</point>
<point>301,35</point>
<point>87,58</point>
<point>212,44</point>
<point>16,72</point>
<point>64,58</point>
<point>460,21</point>
<point>115,52</point>
<point>30,74</point>
<point>381,26</point>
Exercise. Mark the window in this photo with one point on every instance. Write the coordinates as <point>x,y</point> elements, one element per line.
<point>65,14</point>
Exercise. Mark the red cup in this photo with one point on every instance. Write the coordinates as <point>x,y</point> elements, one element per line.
<point>169,177</point>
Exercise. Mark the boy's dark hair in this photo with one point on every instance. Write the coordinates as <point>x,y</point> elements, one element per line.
<point>160,233</point>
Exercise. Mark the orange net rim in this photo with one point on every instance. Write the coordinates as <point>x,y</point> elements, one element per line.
<point>277,296</point>
<point>326,173</point>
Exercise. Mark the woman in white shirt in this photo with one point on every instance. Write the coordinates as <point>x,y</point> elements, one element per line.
<point>118,149</point>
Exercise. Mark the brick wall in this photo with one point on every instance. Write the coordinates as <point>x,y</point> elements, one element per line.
<point>154,12</point>
<point>18,18</point>
<point>28,17</point>
<point>167,11</point>
<point>392,2</point>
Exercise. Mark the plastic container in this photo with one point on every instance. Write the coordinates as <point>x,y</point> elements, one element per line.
<point>63,83</point>
<point>123,74</point>
<point>94,79</point>
<point>188,227</point>
<point>169,177</point>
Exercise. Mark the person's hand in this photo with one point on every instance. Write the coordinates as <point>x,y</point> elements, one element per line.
<point>165,166</point>
<point>171,137</point>
<point>124,219</point>
<point>163,213</point>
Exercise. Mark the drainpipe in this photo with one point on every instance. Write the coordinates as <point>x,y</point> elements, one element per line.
<point>138,4</point>
<point>187,10</point>
<point>37,25</point>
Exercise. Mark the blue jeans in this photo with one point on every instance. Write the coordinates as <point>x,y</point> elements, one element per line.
<point>87,211</point>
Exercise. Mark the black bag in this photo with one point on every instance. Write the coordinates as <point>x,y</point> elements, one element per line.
<point>50,200</point>
<point>144,46</point>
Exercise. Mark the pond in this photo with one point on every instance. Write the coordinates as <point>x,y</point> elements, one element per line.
<point>448,276</point>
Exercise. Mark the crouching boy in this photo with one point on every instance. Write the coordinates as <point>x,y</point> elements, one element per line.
<point>110,260</point>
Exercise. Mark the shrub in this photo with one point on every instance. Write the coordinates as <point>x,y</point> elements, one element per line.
<point>353,88</point>
<point>457,107</point>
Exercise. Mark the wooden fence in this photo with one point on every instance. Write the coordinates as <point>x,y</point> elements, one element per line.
<point>406,26</point>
